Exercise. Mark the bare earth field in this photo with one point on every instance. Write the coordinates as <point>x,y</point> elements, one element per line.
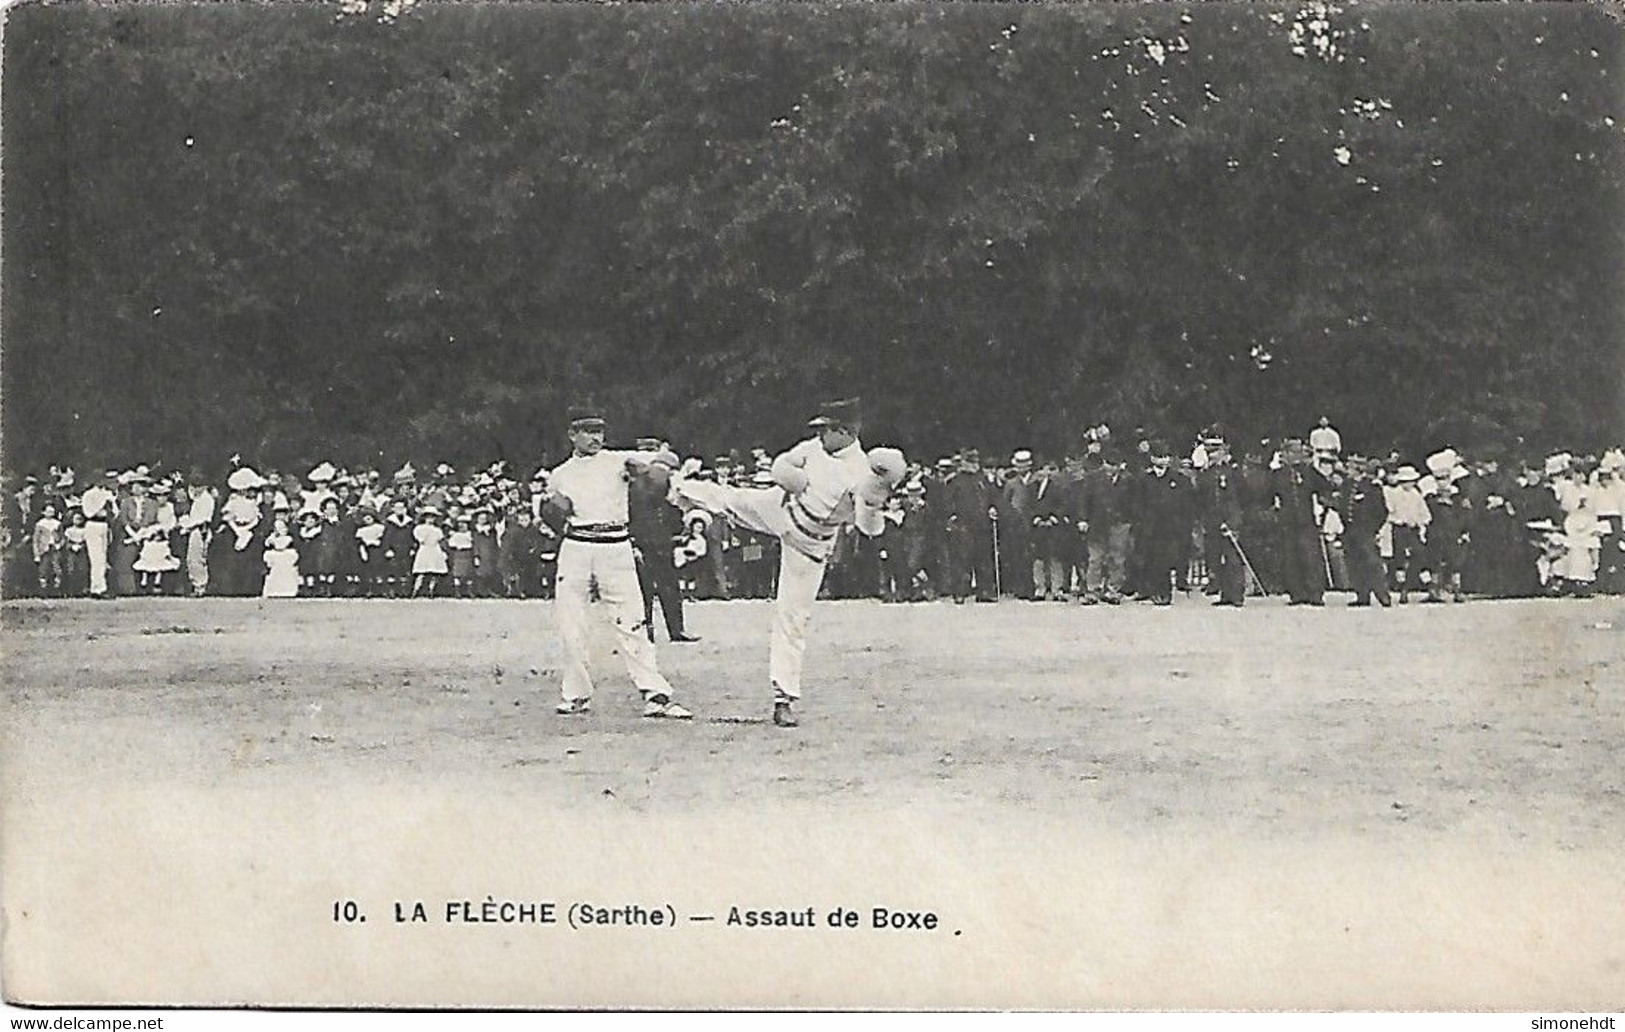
<point>1270,721</point>
<point>1107,763</point>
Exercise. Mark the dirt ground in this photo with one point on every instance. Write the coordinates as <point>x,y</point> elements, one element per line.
<point>1267,721</point>
<point>1188,808</point>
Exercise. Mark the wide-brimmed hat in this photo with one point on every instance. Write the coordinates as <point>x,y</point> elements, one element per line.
<point>323,473</point>
<point>1407,475</point>
<point>244,478</point>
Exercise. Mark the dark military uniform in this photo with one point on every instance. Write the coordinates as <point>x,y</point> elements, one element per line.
<point>1298,488</point>
<point>655,524</point>
<point>1163,532</point>
<point>967,533</point>
<point>1222,522</point>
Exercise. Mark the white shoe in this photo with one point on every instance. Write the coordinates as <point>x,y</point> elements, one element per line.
<point>669,710</point>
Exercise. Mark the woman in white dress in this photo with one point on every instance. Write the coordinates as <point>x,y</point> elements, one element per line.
<point>429,560</point>
<point>1582,544</point>
<point>281,562</point>
<point>155,558</point>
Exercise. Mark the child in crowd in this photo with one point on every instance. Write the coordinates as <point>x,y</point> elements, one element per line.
<point>329,550</point>
<point>48,551</point>
<point>429,560</point>
<point>157,561</point>
<point>399,545</point>
<point>518,546</point>
<point>369,543</point>
<point>75,555</point>
<point>281,561</point>
<point>309,541</point>
<point>460,556</point>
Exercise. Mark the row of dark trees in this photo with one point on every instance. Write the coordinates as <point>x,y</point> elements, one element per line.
<point>290,232</point>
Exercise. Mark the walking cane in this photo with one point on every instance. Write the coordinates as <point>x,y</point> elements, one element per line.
<point>1325,558</point>
<point>1257,580</point>
<point>998,584</point>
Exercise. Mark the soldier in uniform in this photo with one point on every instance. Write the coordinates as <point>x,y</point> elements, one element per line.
<point>655,525</point>
<point>1301,495</point>
<point>1164,529</point>
<point>1221,509</point>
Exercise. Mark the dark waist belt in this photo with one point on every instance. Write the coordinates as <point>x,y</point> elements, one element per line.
<point>95,519</point>
<point>807,523</point>
<point>598,533</point>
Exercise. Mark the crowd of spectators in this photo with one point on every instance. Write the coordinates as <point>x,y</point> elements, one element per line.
<point>1122,519</point>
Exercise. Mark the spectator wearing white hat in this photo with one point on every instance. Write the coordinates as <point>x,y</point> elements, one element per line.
<point>1324,439</point>
<point>156,560</point>
<point>1576,567</point>
<point>136,512</point>
<point>1408,519</point>
<point>1016,502</point>
<point>233,554</point>
<point>318,487</point>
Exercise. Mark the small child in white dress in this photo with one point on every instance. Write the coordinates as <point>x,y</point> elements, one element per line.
<point>281,562</point>
<point>429,560</point>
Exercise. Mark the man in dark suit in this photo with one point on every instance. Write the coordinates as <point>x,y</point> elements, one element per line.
<point>1052,532</point>
<point>655,525</point>
<point>1301,493</point>
<point>1165,525</point>
<point>967,499</point>
<point>1015,501</point>
<point>1364,513</point>
<point>1103,507</point>
<point>1221,506</point>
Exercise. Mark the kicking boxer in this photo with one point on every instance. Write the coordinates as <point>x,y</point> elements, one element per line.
<point>822,484</point>
<point>590,491</point>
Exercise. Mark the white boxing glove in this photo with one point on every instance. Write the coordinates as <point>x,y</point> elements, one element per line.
<point>889,465</point>
<point>789,472</point>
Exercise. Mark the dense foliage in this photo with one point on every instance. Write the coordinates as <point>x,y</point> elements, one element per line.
<point>307,230</point>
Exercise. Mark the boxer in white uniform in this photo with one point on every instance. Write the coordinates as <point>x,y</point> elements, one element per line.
<point>823,483</point>
<point>590,490</point>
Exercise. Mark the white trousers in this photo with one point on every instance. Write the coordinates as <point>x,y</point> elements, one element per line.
<point>197,560</point>
<point>762,510</point>
<point>96,547</point>
<point>611,566</point>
